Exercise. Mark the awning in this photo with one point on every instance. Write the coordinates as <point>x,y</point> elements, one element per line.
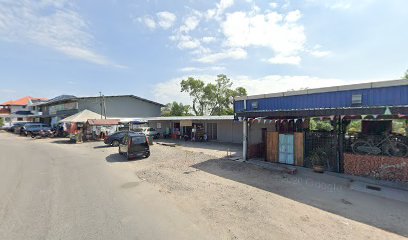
<point>82,117</point>
<point>295,113</point>
<point>103,122</point>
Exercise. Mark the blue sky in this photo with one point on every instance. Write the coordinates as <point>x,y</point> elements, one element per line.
<point>146,47</point>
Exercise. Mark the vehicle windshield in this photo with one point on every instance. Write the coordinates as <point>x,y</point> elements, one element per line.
<point>137,139</point>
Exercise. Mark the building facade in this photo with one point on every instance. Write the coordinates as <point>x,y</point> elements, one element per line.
<point>121,106</point>
<point>344,124</point>
<point>19,110</point>
<point>217,128</point>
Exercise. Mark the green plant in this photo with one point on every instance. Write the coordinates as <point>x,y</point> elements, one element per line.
<point>1,122</point>
<point>318,157</point>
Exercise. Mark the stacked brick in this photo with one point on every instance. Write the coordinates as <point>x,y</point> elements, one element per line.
<point>378,167</point>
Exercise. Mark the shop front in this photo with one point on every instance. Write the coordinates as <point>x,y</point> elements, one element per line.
<point>199,128</point>
<point>347,129</point>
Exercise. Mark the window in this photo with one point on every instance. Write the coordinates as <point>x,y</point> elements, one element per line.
<point>19,119</point>
<point>356,100</point>
<point>23,106</point>
<point>138,140</point>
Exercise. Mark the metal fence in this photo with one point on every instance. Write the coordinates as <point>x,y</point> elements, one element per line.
<point>380,145</point>
<point>326,142</point>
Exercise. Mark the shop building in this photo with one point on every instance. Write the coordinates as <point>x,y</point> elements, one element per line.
<point>217,128</point>
<point>121,106</point>
<point>358,129</point>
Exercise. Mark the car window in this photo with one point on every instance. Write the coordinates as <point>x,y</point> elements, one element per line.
<point>138,140</point>
<point>125,139</point>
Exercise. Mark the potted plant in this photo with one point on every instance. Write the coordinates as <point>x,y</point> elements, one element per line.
<point>317,159</point>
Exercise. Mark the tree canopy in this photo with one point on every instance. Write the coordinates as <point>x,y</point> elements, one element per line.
<point>212,98</point>
<point>406,74</point>
<point>176,109</point>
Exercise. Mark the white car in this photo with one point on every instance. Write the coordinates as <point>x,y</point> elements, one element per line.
<point>148,131</point>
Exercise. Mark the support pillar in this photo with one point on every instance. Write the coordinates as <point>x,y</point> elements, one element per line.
<point>245,140</point>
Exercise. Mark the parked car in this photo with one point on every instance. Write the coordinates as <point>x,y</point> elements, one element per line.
<point>116,138</point>
<point>148,131</point>
<point>34,128</point>
<point>134,145</point>
<point>15,127</point>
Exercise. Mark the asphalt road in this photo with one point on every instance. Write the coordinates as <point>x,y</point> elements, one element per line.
<point>52,190</point>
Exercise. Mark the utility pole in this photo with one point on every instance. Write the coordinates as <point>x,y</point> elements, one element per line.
<point>100,99</point>
<point>104,105</point>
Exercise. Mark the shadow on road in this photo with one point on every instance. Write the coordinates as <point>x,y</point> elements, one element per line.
<point>102,146</point>
<point>116,157</point>
<point>63,141</point>
<point>322,191</point>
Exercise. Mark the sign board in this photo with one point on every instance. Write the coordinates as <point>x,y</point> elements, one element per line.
<point>186,123</point>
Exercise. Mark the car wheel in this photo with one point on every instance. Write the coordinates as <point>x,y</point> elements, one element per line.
<point>115,143</point>
<point>147,155</point>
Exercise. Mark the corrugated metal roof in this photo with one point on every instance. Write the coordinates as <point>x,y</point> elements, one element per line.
<point>63,98</point>
<point>370,85</point>
<point>368,97</point>
<point>178,118</point>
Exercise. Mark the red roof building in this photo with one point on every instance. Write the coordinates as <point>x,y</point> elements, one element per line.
<point>23,101</point>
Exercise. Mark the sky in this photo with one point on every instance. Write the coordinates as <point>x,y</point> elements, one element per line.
<point>146,47</point>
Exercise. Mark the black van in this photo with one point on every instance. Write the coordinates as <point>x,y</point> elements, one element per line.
<point>134,145</point>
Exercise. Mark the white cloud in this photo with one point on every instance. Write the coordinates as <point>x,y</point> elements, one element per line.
<point>293,16</point>
<point>187,42</point>
<point>280,59</point>
<point>342,5</point>
<point>272,30</point>
<point>208,39</point>
<point>61,29</point>
<point>202,69</point>
<point>280,83</point>
<point>233,53</point>
<point>169,91</point>
<point>273,5</point>
<point>319,54</point>
<point>150,23</point>
<point>218,11</point>
<point>166,19</point>
<point>190,24</point>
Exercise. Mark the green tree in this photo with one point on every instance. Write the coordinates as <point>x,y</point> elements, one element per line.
<point>212,98</point>
<point>176,109</point>
<point>319,125</point>
<point>406,75</point>
<point>1,122</point>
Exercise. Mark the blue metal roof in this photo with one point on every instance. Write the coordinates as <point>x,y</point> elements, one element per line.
<point>371,97</point>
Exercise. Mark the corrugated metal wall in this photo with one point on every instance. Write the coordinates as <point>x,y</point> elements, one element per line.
<point>387,96</point>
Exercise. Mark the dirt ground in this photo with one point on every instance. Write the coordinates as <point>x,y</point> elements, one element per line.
<point>242,201</point>
<point>235,200</point>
